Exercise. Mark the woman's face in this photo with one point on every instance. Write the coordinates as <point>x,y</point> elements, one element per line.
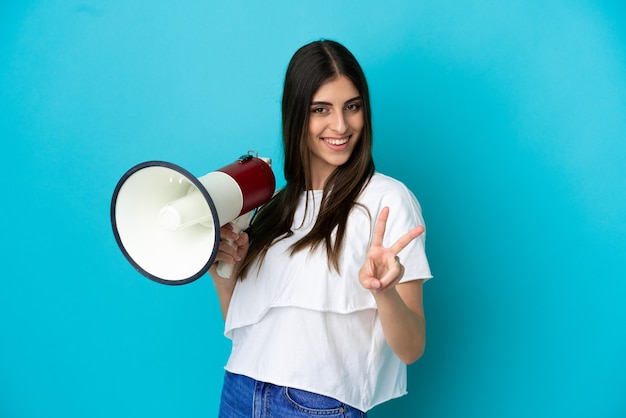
<point>335,126</point>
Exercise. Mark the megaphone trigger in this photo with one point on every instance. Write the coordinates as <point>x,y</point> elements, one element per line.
<point>225,270</point>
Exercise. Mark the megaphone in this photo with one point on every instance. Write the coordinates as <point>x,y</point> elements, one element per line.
<point>167,222</point>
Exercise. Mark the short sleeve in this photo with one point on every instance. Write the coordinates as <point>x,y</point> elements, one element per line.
<point>405,213</point>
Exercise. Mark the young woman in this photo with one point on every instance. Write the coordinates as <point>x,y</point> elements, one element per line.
<point>327,309</point>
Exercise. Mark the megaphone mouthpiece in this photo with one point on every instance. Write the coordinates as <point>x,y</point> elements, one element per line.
<point>185,211</point>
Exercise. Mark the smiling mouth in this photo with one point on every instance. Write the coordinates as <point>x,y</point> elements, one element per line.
<point>336,141</point>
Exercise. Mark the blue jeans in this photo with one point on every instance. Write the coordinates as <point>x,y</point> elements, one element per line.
<point>243,397</point>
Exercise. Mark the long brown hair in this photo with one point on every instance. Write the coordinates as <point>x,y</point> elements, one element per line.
<point>312,66</point>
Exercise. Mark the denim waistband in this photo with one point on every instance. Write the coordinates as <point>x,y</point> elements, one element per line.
<point>243,396</point>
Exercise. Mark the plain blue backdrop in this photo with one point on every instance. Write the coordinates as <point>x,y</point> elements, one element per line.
<point>506,119</point>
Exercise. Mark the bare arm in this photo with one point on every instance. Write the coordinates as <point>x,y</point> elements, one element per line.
<point>230,255</point>
<point>399,304</point>
<point>402,317</point>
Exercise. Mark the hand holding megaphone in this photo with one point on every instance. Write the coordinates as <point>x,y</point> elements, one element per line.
<point>225,270</point>
<point>167,222</point>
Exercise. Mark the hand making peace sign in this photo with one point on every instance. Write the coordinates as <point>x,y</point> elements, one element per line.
<point>382,268</point>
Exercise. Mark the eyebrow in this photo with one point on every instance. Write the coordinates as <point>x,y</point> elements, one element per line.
<point>354,99</point>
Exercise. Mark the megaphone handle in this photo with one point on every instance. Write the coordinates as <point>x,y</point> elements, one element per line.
<point>225,270</point>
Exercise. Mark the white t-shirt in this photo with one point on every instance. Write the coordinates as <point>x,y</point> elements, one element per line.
<point>298,323</point>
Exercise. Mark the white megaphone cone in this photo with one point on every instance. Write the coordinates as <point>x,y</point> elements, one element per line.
<point>167,222</point>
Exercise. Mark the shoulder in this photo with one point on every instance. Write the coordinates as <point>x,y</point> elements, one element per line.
<point>381,181</point>
<point>384,187</point>
<point>384,191</point>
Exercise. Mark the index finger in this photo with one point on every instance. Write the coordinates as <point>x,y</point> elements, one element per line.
<point>405,239</point>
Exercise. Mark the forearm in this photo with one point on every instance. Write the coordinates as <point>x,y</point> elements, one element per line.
<point>225,289</point>
<point>228,254</point>
<point>404,330</point>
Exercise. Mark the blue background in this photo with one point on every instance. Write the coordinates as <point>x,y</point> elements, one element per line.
<point>506,119</point>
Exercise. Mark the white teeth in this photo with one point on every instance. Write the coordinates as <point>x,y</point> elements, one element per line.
<point>336,141</point>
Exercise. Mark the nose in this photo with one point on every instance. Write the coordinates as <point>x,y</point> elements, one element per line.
<point>338,122</point>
